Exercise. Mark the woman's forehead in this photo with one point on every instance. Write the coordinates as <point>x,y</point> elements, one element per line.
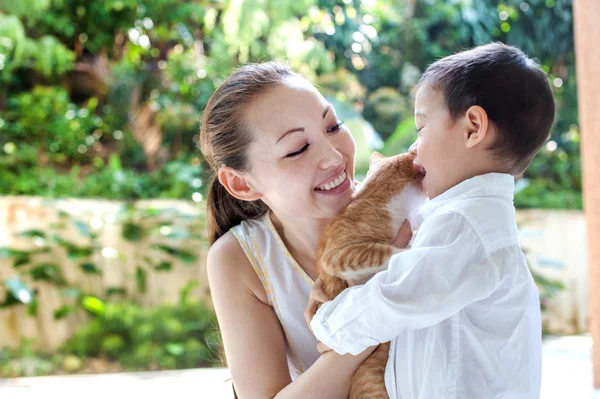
<point>285,106</point>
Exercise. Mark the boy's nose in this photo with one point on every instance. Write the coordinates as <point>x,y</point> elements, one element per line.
<point>413,147</point>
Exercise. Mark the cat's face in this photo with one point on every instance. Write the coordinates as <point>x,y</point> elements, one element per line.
<point>398,168</point>
<point>302,157</point>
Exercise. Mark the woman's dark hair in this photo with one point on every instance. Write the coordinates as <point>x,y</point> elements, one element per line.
<point>225,138</point>
<point>509,86</point>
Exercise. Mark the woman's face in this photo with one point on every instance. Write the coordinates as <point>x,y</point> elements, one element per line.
<point>301,157</point>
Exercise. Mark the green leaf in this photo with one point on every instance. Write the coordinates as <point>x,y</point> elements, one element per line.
<point>75,252</point>
<point>184,294</point>
<point>93,305</point>
<point>19,291</point>
<point>115,291</point>
<point>163,266</point>
<point>6,253</point>
<point>21,260</point>
<point>84,229</point>
<point>32,233</point>
<point>140,279</point>
<point>32,308</point>
<point>150,212</point>
<point>63,312</point>
<point>47,272</point>
<point>133,232</point>
<point>175,348</point>
<point>90,268</point>
<point>185,256</point>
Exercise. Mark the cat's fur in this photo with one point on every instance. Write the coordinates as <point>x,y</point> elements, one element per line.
<point>357,242</point>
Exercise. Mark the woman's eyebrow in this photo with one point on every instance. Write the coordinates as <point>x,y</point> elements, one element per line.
<point>301,129</point>
<point>294,130</point>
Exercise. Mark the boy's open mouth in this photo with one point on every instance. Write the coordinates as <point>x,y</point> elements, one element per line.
<point>420,172</point>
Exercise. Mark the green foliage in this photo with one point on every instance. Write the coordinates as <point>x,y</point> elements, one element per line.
<point>24,361</point>
<point>167,337</point>
<point>76,74</point>
<point>386,107</point>
<point>184,335</point>
<point>45,55</point>
<point>166,231</point>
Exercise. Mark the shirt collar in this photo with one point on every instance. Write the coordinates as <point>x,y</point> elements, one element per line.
<point>487,185</point>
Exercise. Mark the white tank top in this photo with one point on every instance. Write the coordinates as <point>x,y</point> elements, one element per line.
<point>287,287</point>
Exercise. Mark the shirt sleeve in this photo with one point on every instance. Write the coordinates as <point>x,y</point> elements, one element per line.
<point>444,271</point>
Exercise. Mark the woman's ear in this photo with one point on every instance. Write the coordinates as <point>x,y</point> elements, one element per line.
<point>477,126</point>
<point>237,184</point>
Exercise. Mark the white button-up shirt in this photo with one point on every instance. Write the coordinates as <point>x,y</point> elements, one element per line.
<point>460,306</point>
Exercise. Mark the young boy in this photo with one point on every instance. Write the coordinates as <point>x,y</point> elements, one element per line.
<point>460,306</point>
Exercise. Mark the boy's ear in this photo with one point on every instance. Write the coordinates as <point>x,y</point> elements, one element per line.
<point>237,184</point>
<point>477,126</point>
<point>375,157</point>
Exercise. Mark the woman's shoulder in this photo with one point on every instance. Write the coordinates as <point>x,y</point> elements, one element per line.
<point>229,267</point>
<point>226,255</point>
<point>224,247</point>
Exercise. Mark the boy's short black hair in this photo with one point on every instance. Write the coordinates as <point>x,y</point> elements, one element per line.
<point>513,90</point>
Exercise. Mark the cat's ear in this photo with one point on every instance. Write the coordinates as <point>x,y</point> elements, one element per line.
<point>375,157</point>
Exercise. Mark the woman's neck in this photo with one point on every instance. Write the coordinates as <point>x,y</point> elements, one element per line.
<point>301,237</point>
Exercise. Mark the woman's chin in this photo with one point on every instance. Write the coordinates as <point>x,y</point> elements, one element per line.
<point>334,205</point>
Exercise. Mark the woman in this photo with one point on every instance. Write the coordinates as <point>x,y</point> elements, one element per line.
<point>284,166</point>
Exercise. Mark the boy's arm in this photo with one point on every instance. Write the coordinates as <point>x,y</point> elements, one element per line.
<point>422,286</point>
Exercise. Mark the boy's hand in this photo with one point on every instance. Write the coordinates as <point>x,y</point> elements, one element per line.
<point>317,295</point>
<point>317,298</point>
<point>404,235</point>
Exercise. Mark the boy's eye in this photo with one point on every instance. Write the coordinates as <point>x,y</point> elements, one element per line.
<point>335,128</point>
<point>300,151</point>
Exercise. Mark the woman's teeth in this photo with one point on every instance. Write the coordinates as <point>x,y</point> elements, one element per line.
<point>335,183</point>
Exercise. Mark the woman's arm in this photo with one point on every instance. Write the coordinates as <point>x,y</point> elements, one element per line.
<point>253,338</point>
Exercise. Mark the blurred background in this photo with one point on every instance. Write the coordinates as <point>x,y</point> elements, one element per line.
<point>102,220</point>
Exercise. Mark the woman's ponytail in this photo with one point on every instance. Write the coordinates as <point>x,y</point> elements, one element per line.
<point>224,211</point>
<point>225,138</point>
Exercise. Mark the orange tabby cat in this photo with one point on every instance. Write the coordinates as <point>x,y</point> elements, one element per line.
<point>357,242</point>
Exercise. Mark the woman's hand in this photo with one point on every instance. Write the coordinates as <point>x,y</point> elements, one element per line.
<point>316,298</point>
<point>322,348</point>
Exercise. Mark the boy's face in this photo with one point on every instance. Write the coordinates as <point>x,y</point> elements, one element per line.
<point>440,148</point>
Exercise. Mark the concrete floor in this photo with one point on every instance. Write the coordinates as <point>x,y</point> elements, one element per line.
<point>567,374</point>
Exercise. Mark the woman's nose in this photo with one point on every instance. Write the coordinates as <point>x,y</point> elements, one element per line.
<point>331,156</point>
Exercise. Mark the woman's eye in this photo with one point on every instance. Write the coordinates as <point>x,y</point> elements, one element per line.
<point>300,151</point>
<point>335,128</point>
